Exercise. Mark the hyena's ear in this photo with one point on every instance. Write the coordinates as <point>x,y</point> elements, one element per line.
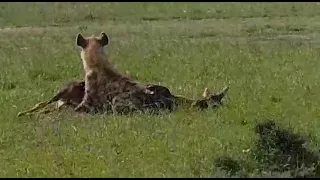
<point>82,42</point>
<point>104,39</point>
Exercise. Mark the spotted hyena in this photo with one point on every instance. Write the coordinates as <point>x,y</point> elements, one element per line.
<point>103,83</point>
<point>105,88</point>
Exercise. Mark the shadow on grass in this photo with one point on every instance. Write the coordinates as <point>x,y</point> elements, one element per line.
<point>228,166</point>
<point>278,152</point>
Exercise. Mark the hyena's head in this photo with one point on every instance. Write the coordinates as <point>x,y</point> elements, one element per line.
<point>92,49</point>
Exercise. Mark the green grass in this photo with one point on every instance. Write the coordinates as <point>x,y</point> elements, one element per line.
<point>263,51</point>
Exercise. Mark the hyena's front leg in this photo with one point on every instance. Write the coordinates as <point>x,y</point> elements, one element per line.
<point>90,95</point>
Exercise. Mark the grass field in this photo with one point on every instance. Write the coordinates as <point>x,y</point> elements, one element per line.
<point>268,53</point>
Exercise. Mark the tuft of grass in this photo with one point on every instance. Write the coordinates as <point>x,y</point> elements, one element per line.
<point>266,52</point>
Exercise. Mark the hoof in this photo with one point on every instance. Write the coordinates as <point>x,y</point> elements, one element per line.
<point>216,98</point>
<point>20,114</point>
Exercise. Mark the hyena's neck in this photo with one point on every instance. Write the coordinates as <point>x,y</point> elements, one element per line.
<point>112,74</point>
<point>106,73</point>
